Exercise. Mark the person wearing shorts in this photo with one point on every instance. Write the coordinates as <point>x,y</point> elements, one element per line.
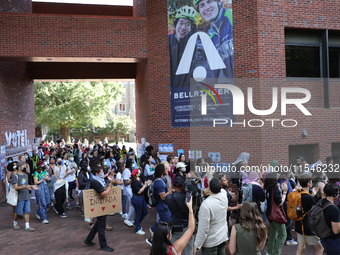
<point>305,234</point>
<point>20,183</point>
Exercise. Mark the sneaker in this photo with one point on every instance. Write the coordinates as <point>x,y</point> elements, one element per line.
<point>78,206</point>
<point>89,243</point>
<point>38,217</point>
<point>128,223</point>
<point>111,214</point>
<point>148,241</point>
<point>140,232</point>
<point>151,232</point>
<point>108,249</point>
<point>125,215</point>
<point>69,207</point>
<point>45,221</point>
<point>30,229</point>
<point>63,215</point>
<point>51,204</point>
<point>17,227</point>
<point>291,242</point>
<point>88,220</point>
<point>55,210</point>
<point>108,228</point>
<point>121,213</point>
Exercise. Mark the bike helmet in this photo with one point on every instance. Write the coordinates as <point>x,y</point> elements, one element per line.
<point>186,12</point>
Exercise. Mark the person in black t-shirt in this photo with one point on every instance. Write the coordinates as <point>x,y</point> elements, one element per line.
<point>98,184</point>
<point>137,200</point>
<point>179,213</point>
<point>332,216</point>
<point>307,201</point>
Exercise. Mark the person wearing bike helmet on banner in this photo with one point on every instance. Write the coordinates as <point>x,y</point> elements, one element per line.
<point>184,27</point>
<point>220,31</point>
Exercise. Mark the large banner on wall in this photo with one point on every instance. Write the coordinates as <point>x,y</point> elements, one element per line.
<point>201,56</point>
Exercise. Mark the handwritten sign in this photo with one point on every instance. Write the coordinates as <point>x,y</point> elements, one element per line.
<point>96,205</point>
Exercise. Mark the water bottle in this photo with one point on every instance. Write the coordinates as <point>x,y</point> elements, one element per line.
<point>299,211</point>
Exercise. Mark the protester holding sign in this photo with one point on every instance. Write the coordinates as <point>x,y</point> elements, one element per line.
<point>98,184</point>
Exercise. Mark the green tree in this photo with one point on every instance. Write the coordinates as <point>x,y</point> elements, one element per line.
<point>66,105</point>
<point>118,124</point>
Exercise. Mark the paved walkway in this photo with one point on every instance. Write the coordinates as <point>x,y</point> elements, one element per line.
<point>66,235</point>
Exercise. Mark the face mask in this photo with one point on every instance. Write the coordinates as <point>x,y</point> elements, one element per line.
<point>60,163</point>
<point>10,161</point>
<point>26,157</point>
<point>40,149</point>
<point>24,169</point>
<point>14,167</point>
<point>88,168</point>
<point>105,163</point>
<point>133,165</point>
<point>101,175</point>
<point>72,159</point>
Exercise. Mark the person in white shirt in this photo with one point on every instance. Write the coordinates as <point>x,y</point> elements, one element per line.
<point>212,234</point>
<point>70,177</point>
<point>127,191</point>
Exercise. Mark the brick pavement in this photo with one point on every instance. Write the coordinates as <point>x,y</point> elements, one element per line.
<point>66,235</point>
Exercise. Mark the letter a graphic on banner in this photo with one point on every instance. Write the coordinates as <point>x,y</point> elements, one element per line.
<point>214,59</point>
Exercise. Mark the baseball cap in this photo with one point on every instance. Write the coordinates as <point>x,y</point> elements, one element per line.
<point>46,152</point>
<point>181,165</point>
<point>131,153</point>
<point>134,172</point>
<point>70,155</point>
<point>40,163</point>
<point>19,164</point>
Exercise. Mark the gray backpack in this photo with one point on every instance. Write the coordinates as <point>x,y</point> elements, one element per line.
<point>317,222</point>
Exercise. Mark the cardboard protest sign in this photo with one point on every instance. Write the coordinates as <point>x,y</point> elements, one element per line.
<point>96,205</point>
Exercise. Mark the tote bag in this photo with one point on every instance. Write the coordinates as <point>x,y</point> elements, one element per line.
<point>12,198</point>
<point>277,213</point>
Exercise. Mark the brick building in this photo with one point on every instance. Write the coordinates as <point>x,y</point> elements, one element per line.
<point>45,41</point>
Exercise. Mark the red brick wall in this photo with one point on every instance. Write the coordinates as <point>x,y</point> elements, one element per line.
<point>43,35</point>
<point>81,9</point>
<point>16,90</point>
<point>16,103</point>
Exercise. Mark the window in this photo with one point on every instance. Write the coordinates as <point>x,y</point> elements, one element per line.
<point>334,54</point>
<point>303,53</point>
<point>302,61</point>
<point>122,107</point>
<point>124,93</point>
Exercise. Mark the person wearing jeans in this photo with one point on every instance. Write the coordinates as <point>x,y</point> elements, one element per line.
<point>278,233</point>
<point>161,191</point>
<point>138,201</point>
<point>43,196</point>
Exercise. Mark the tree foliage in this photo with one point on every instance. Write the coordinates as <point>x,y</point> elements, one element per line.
<point>75,104</point>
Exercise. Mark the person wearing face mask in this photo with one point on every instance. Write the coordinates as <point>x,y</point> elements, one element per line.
<point>127,191</point>
<point>98,184</point>
<point>84,183</point>
<point>106,168</point>
<point>50,167</point>
<point>40,153</point>
<point>26,167</point>
<point>70,177</point>
<point>40,177</point>
<point>60,188</point>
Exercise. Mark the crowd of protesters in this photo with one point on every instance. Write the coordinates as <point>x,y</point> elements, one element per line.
<point>196,207</point>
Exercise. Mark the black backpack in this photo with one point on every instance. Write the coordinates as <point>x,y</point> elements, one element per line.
<point>317,222</point>
<point>149,193</point>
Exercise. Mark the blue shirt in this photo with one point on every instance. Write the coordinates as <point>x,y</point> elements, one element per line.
<point>223,41</point>
<point>160,187</point>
